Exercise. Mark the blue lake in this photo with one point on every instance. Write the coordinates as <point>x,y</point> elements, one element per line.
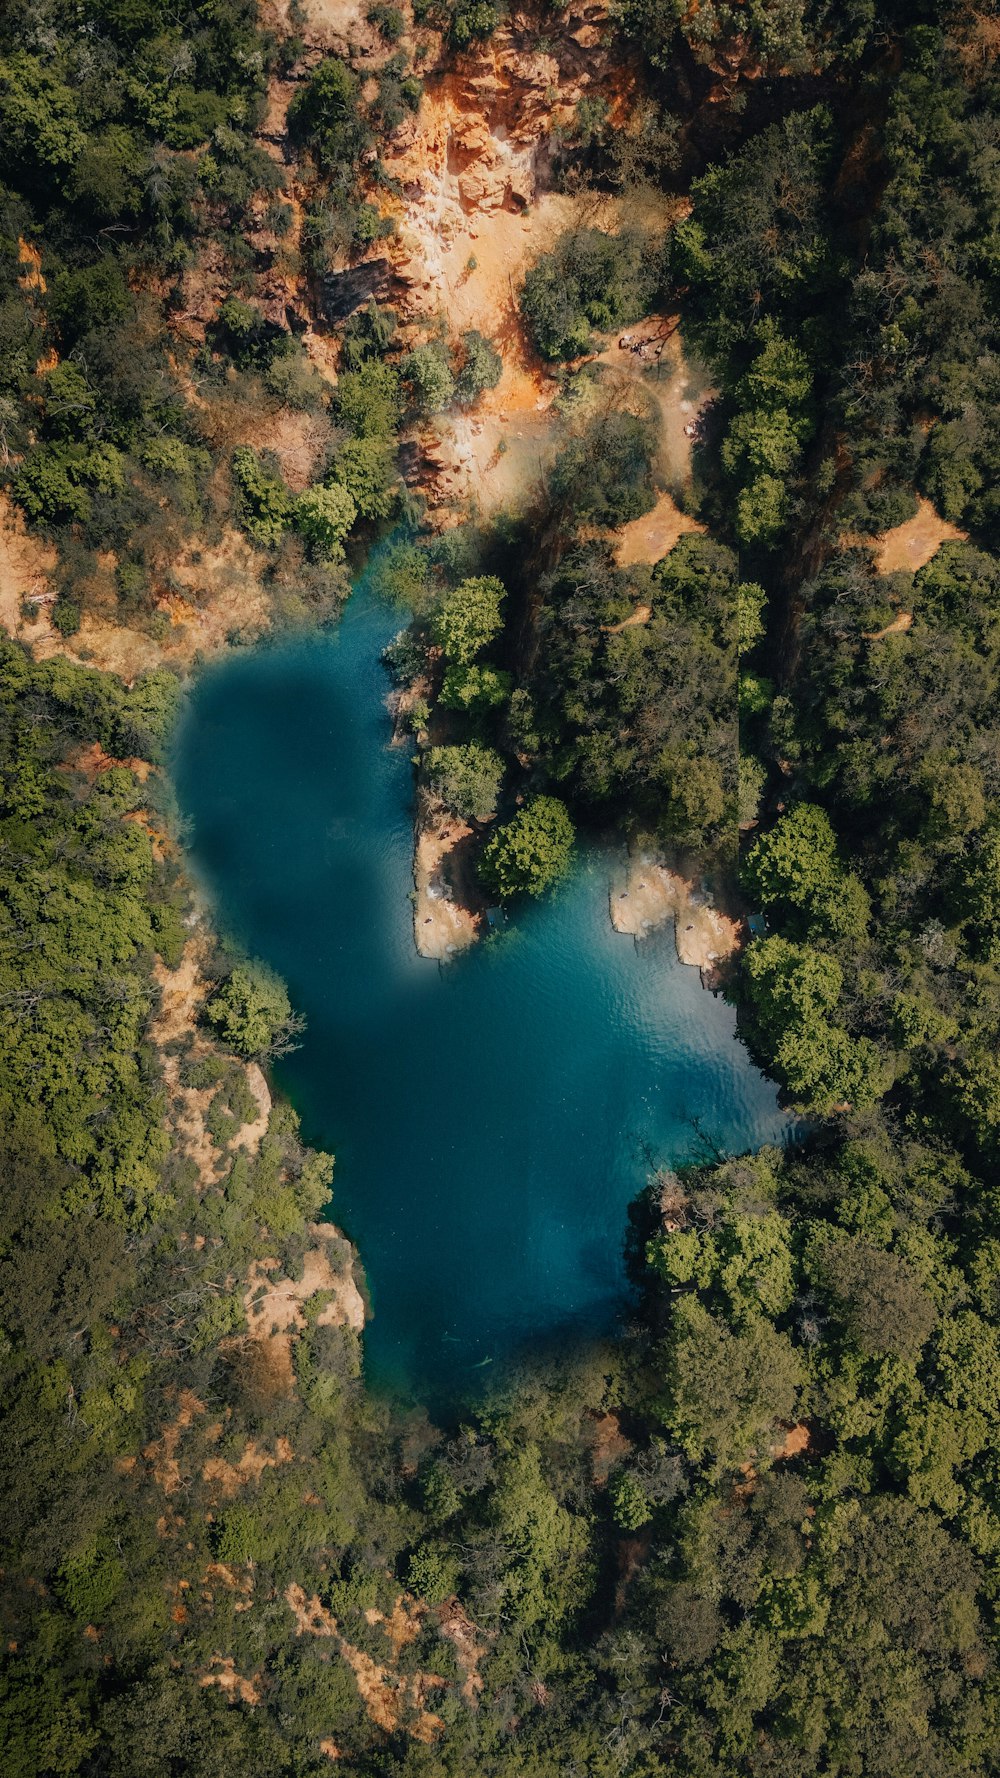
<point>492,1120</point>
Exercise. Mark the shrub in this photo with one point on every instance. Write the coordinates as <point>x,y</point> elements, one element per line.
<point>476,690</point>
<point>481,367</point>
<point>427,374</point>
<point>366,467</point>
<point>368,400</point>
<point>606,473</point>
<point>251,1011</point>
<point>264,503</point>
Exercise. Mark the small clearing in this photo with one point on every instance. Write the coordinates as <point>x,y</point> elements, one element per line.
<point>469,1643</point>
<point>898,626</point>
<point>403,1625</point>
<point>651,537</point>
<point>252,1135</point>
<point>393,1700</point>
<point>231,1477</point>
<point>911,545</point>
<point>279,1306</point>
<point>641,615</point>
<point>222,1672</point>
<point>161,1452</point>
<point>609,1448</point>
<point>26,567</point>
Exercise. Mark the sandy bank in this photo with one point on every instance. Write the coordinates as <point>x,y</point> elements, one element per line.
<point>446,915</point>
<point>645,893</point>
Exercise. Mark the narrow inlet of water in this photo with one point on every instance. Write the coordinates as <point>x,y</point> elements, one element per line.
<point>492,1120</point>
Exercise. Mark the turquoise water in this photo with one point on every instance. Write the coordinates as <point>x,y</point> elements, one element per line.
<point>491,1120</point>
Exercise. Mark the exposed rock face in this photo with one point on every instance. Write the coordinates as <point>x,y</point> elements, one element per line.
<point>481,141</point>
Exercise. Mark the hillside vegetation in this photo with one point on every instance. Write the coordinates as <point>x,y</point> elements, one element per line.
<point>758,1534</point>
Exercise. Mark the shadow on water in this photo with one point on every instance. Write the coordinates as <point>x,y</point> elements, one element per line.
<point>492,1121</point>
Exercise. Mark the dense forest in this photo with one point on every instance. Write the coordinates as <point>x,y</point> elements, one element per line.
<point>758,1532</point>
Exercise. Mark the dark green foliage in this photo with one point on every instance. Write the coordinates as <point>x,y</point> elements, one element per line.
<point>426,372</point>
<point>530,853</point>
<point>606,472</point>
<point>251,1012</point>
<point>640,716</point>
<point>757,1536</point>
<point>589,280</point>
<point>469,618</point>
<point>798,37</point>
<point>326,115</point>
<point>480,368</point>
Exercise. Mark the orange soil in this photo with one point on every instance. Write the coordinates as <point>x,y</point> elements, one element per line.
<point>280,1308</point>
<point>161,1452</point>
<point>389,1697</point>
<point>443,923</point>
<point>609,1447</point>
<point>30,259</point>
<point>26,564</point>
<point>651,537</point>
<point>231,1477</point>
<point>647,893</point>
<point>641,615</point>
<point>455,1624</point>
<point>223,1673</point>
<point>404,1623</point>
<point>911,545</point>
<point>92,761</point>
<point>899,624</point>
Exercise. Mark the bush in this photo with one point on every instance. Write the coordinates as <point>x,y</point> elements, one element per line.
<point>481,367</point>
<point>428,377</point>
<point>476,690</point>
<point>606,473</point>
<point>531,853</point>
<point>265,504</point>
<point>388,21</point>
<point>368,400</point>
<point>326,114</point>
<point>366,467</point>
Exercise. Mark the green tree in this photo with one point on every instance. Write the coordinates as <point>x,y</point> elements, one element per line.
<point>368,400</point>
<point>324,515</point>
<point>366,467</point>
<point>469,618</point>
<point>476,690</point>
<point>878,1297</point>
<point>266,506</point>
<point>467,778</point>
<point>326,114</point>
<point>725,1389</point>
<point>427,374</point>
<point>530,853</point>
<point>252,1013</point>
